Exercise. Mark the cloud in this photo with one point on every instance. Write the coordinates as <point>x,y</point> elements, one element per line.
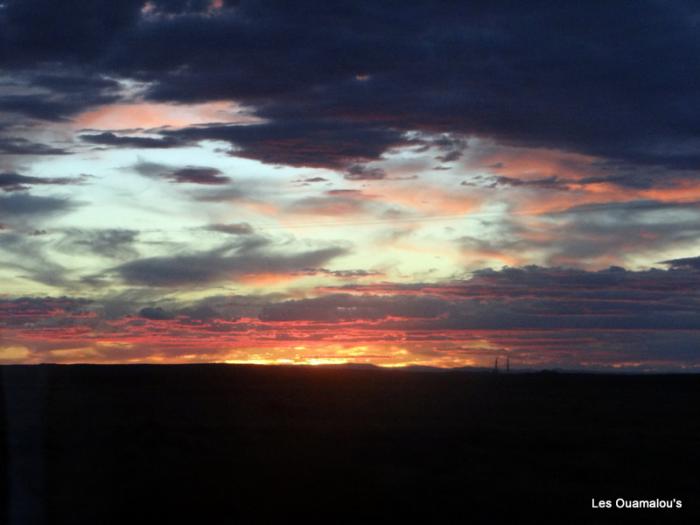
<point>583,236</point>
<point>130,141</point>
<point>293,81</point>
<point>48,32</point>
<point>110,243</point>
<point>171,8</point>
<point>341,274</point>
<point>227,194</point>
<point>306,143</point>
<point>10,182</point>
<point>309,180</point>
<point>358,172</point>
<point>188,174</point>
<point>334,203</point>
<point>518,298</point>
<point>28,256</point>
<point>228,263</point>
<point>241,228</point>
<point>52,92</point>
<point>550,183</point>
<point>588,231</point>
<point>21,309</point>
<point>23,206</point>
<point>22,146</point>
<point>196,175</point>
<point>685,263</point>
<point>339,96</point>
<point>341,307</point>
<point>541,317</point>
<point>73,82</point>
<point>155,313</point>
<point>575,103</point>
<point>39,107</point>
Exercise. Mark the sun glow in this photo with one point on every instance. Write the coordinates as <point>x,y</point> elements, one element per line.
<point>385,356</point>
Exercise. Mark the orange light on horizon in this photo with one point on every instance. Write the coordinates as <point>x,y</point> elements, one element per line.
<point>158,115</point>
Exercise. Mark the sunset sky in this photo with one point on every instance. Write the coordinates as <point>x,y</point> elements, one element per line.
<point>394,183</point>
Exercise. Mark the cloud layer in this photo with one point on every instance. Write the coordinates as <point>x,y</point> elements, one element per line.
<point>539,316</point>
<point>395,183</point>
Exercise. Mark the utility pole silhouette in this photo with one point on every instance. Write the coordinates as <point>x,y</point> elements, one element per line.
<point>507,363</point>
<point>495,366</point>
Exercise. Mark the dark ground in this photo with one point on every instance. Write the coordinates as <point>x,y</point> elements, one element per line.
<point>233,444</point>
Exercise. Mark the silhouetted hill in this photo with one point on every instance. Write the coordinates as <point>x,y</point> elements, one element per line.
<point>245,444</point>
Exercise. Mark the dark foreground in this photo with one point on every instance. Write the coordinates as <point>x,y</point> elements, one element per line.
<point>230,444</point>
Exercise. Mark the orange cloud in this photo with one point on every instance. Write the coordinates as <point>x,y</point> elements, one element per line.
<point>153,115</point>
<point>526,163</point>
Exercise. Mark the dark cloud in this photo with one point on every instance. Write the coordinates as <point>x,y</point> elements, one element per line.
<point>326,143</point>
<point>156,313</point>
<point>129,141</point>
<point>213,308</point>
<point>41,31</point>
<point>566,77</point>
<point>23,250</point>
<point>625,176</point>
<point>515,298</point>
<point>151,169</point>
<point>51,108</point>
<point>196,175</point>
<point>643,179</point>
<point>550,183</point>
<point>76,83</point>
<point>27,258</point>
<point>685,262</point>
<point>358,172</point>
<point>110,243</point>
<point>55,92</point>
<point>588,231</point>
<point>227,194</point>
<point>16,182</point>
<point>179,7</point>
<point>643,320</point>
<point>451,147</point>
<point>345,193</point>
<point>33,254</point>
<point>241,228</point>
<point>22,146</point>
<point>584,78</point>
<point>188,174</point>
<point>22,309</point>
<point>630,208</point>
<point>227,263</point>
<point>340,307</point>
<point>312,179</point>
<point>23,206</point>
<point>450,156</point>
<point>590,235</point>
<point>341,274</point>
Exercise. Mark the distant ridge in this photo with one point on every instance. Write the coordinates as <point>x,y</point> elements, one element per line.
<point>367,367</point>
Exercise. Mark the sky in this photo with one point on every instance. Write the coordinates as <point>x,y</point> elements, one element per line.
<point>387,183</point>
